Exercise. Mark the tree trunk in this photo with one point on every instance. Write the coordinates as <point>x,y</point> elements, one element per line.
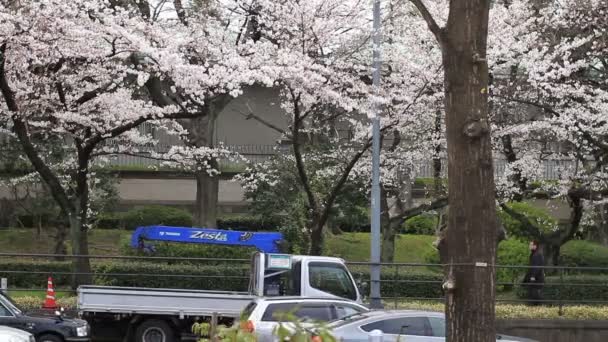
<point>81,266</point>
<point>316,237</point>
<point>471,235</point>
<point>388,233</point>
<point>201,133</point>
<point>207,188</point>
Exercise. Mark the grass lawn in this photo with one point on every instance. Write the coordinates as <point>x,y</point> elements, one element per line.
<point>350,246</point>
<point>356,247</point>
<point>101,241</point>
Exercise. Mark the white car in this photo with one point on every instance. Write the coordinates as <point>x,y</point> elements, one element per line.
<point>398,325</point>
<point>265,314</point>
<point>15,335</point>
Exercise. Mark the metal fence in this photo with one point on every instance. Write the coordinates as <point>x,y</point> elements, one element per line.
<point>401,283</point>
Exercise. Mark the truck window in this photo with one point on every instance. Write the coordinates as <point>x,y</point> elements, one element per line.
<point>331,278</point>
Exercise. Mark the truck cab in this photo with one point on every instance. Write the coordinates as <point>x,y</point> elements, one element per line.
<point>301,275</point>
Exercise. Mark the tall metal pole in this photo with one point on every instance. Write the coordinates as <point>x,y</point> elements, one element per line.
<point>375,301</point>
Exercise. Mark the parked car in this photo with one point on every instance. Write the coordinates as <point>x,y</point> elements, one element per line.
<point>8,334</point>
<point>44,328</point>
<point>411,326</point>
<point>265,314</point>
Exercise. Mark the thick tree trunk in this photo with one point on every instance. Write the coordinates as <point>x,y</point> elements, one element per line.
<point>471,237</point>
<point>201,133</point>
<point>207,188</point>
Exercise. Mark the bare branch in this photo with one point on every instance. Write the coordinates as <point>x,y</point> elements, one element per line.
<point>412,212</point>
<point>430,21</point>
<point>250,115</point>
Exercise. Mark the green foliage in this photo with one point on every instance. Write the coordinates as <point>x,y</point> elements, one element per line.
<point>356,247</point>
<point>189,250</point>
<point>405,282</point>
<point>583,254</point>
<point>512,252</point>
<point>229,276</point>
<point>424,224</point>
<point>544,222</point>
<point>579,288</point>
<point>275,191</point>
<point>146,216</point>
<point>252,223</point>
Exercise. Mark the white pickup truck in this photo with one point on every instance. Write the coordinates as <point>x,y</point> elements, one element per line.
<point>167,315</point>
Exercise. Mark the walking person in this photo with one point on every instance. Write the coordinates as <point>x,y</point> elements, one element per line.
<point>535,277</point>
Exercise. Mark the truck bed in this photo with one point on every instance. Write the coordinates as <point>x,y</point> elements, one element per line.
<point>182,303</point>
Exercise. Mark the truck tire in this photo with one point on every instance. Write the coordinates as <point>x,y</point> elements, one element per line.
<point>154,330</point>
<point>49,338</point>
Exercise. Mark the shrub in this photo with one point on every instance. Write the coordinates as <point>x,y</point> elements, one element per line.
<point>583,254</point>
<point>510,252</point>
<point>155,215</point>
<point>233,276</point>
<point>424,224</point>
<point>249,223</point>
<point>404,283</point>
<point>543,221</point>
<point>109,220</point>
<point>579,288</point>
<point>189,250</point>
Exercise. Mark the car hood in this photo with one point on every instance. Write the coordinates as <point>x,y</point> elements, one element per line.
<point>47,319</point>
<point>7,331</point>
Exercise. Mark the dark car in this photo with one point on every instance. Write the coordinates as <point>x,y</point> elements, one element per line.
<point>44,328</point>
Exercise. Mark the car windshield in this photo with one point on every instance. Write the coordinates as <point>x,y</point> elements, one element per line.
<point>349,319</point>
<point>11,305</point>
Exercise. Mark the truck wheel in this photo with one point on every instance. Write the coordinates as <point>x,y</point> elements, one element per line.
<point>49,338</point>
<point>154,331</point>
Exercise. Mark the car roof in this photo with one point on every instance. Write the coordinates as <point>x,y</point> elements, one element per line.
<point>384,314</point>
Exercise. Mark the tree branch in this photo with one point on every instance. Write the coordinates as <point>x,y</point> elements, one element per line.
<point>262,121</point>
<point>430,21</point>
<point>415,211</point>
<point>295,141</point>
<point>20,129</point>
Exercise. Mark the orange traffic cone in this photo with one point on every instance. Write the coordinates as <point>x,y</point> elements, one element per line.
<point>49,302</point>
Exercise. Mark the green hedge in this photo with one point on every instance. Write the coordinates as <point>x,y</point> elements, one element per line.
<point>145,216</point>
<point>228,277</point>
<point>598,291</point>
<point>583,254</point>
<point>187,250</point>
<point>170,216</point>
<point>510,252</point>
<point>249,223</point>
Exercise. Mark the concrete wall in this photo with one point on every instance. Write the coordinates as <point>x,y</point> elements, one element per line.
<point>555,330</point>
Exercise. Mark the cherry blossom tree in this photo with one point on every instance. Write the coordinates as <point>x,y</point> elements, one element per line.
<point>551,104</point>
<point>89,73</point>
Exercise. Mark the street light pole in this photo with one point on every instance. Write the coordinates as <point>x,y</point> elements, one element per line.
<point>375,301</point>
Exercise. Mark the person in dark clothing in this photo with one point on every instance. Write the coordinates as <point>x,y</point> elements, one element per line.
<point>535,277</point>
